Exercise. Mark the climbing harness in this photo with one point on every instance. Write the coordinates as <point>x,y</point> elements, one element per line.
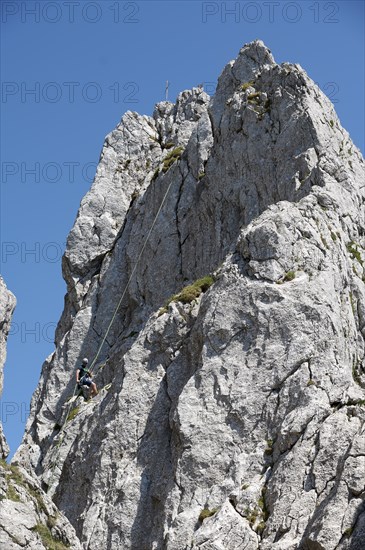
<point>62,429</point>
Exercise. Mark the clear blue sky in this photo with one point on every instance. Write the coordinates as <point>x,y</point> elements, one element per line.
<point>89,62</point>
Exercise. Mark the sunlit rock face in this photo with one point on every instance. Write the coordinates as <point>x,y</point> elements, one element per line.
<point>230,414</point>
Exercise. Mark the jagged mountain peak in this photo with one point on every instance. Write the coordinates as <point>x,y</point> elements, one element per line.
<point>251,60</point>
<point>229,231</point>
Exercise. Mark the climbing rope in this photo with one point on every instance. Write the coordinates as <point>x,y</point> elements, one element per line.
<point>59,443</point>
<point>61,432</point>
<point>130,278</point>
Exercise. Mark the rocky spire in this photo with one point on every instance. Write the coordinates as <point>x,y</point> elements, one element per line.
<point>7,305</point>
<point>231,409</point>
<point>28,518</point>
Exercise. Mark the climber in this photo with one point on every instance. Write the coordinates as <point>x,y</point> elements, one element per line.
<point>84,376</point>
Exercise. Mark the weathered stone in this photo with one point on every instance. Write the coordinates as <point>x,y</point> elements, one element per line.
<point>245,399</point>
<point>7,305</point>
<point>28,518</point>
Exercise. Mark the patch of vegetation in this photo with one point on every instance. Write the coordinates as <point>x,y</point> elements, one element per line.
<point>333,236</point>
<point>172,157</point>
<point>38,498</point>
<point>311,382</point>
<point>260,512</point>
<point>206,513</point>
<point>51,521</point>
<point>245,486</point>
<point>262,504</point>
<point>190,292</point>
<point>251,515</point>
<point>348,532</point>
<point>261,107</point>
<point>247,85</point>
<point>4,464</point>
<point>289,276</point>
<point>354,251</point>
<point>156,173</point>
<point>332,123</point>
<point>71,415</point>
<point>48,539</point>
<point>253,97</point>
<point>12,494</point>
<point>127,163</point>
<point>354,271</point>
<point>14,475</point>
<point>135,195</point>
<point>169,145</point>
<point>201,175</point>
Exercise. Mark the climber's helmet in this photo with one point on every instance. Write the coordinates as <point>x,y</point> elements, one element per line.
<point>85,361</point>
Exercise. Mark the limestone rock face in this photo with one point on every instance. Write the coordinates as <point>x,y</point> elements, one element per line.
<point>28,518</point>
<point>7,305</point>
<point>231,407</point>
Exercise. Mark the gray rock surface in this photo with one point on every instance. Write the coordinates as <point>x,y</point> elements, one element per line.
<point>7,305</point>
<point>28,518</point>
<point>231,418</point>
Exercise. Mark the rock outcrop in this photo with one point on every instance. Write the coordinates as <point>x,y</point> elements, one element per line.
<point>28,518</point>
<point>230,232</point>
<point>7,305</point>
